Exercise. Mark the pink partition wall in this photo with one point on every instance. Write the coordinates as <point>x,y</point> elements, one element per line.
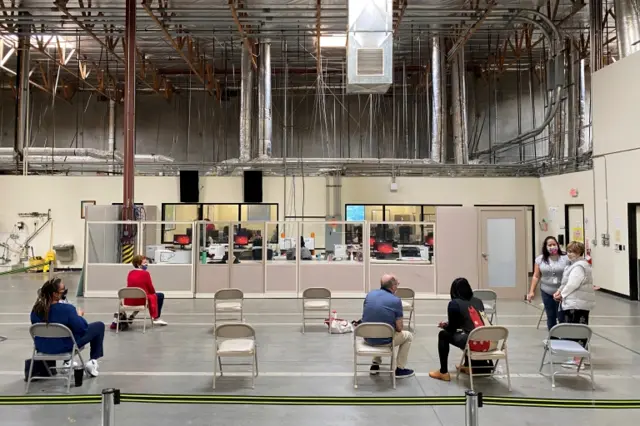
<point>456,249</point>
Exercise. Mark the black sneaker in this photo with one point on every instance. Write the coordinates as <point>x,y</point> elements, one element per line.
<point>403,373</point>
<point>374,370</point>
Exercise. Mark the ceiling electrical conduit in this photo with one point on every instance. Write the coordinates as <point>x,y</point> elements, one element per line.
<point>80,155</point>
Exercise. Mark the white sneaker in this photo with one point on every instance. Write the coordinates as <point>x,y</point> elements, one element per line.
<point>67,364</point>
<point>570,363</point>
<point>91,368</point>
<point>160,322</point>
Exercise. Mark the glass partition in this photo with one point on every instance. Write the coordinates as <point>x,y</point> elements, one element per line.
<point>220,212</point>
<point>401,241</point>
<point>178,218</point>
<point>247,268</point>
<point>281,273</point>
<point>212,257</point>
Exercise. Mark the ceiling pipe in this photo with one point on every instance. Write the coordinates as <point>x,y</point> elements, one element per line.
<point>627,26</point>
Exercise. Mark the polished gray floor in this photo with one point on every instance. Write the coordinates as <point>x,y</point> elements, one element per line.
<point>178,359</point>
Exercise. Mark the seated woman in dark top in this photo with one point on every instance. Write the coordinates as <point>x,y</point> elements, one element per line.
<point>49,309</point>
<point>455,331</point>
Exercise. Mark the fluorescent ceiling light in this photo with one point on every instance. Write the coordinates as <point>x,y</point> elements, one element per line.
<point>333,41</point>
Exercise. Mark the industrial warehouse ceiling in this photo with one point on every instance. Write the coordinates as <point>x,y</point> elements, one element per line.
<point>182,44</point>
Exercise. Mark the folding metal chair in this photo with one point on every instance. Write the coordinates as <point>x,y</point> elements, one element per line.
<point>498,350</point>
<point>53,331</point>
<point>490,301</point>
<point>408,296</point>
<point>316,299</point>
<point>228,301</point>
<point>564,345</point>
<point>133,293</point>
<point>373,330</point>
<point>235,340</point>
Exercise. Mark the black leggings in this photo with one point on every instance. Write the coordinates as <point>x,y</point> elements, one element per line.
<point>446,338</point>
<point>577,316</point>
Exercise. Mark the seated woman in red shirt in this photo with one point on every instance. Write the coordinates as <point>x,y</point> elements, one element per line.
<point>141,278</point>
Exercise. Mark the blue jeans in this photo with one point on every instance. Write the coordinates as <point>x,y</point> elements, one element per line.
<point>160,297</point>
<point>554,316</point>
<point>95,338</point>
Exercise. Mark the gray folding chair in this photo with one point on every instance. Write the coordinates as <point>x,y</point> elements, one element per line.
<point>373,330</point>
<point>228,301</point>
<point>497,336</point>
<point>316,300</point>
<point>490,301</point>
<point>408,296</point>
<point>53,331</point>
<point>235,340</point>
<point>562,343</point>
<point>133,293</point>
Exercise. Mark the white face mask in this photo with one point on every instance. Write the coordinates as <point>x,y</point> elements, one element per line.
<point>572,256</point>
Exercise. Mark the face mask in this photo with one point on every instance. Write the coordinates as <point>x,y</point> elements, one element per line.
<point>553,250</point>
<point>572,256</point>
<point>144,267</point>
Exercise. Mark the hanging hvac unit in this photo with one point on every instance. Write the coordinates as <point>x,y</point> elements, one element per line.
<point>370,46</point>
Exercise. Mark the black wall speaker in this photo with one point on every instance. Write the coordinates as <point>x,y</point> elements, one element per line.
<point>252,183</point>
<point>189,186</point>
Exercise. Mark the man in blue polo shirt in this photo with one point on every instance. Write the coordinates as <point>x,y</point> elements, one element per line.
<point>384,306</point>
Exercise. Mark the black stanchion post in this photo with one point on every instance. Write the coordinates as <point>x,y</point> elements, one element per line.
<point>473,402</point>
<point>110,398</point>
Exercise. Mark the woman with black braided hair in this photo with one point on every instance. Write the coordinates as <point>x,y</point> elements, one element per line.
<point>48,309</point>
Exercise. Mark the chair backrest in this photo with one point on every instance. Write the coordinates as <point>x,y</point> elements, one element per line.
<point>316,293</point>
<point>485,295</point>
<point>229,294</point>
<point>405,293</point>
<point>235,331</point>
<point>490,333</point>
<point>131,293</point>
<point>571,331</point>
<point>374,330</point>
<point>50,331</point>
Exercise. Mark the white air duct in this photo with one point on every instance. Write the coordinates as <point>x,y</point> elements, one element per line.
<point>369,46</point>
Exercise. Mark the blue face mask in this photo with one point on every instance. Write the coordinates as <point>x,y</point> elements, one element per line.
<point>144,267</point>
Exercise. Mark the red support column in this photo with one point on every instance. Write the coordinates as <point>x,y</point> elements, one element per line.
<point>129,110</point>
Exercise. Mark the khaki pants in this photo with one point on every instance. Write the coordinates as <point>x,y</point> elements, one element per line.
<point>403,341</point>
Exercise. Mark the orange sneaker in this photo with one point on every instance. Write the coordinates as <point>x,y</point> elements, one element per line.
<point>436,374</point>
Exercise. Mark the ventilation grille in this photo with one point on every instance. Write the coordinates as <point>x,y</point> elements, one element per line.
<point>370,62</point>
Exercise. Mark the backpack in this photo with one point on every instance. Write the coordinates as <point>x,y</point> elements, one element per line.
<point>479,319</point>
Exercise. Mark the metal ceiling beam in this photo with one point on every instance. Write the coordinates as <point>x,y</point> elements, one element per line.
<point>470,30</point>
<point>245,39</point>
<point>207,81</point>
<point>402,5</point>
<point>61,5</point>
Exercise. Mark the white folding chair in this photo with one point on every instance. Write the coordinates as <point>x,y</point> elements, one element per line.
<point>373,330</point>
<point>316,299</point>
<point>541,316</point>
<point>53,331</point>
<point>408,296</point>
<point>562,343</point>
<point>228,301</point>
<point>490,301</point>
<point>498,350</point>
<point>235,340</point>
<point>133,293</point>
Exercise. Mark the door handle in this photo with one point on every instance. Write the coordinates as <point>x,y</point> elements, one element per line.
<point>485,255</point>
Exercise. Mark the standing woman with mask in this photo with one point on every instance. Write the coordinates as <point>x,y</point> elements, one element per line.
<point>141,278</point>
<point>549,267</point>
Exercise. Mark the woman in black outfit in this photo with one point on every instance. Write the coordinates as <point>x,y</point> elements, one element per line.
<point>455,331</point>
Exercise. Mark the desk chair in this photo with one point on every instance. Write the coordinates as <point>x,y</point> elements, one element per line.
<point>373,330</point>
<point>490,301</point>
<point>235,340</point>
<point>53,331</point>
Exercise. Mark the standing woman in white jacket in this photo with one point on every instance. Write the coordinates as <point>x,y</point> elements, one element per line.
<point>576,290</point>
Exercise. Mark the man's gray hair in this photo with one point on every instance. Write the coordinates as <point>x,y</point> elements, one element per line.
<point>388,281</point>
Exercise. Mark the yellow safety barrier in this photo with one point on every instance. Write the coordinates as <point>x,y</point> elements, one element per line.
<point>127,253</point>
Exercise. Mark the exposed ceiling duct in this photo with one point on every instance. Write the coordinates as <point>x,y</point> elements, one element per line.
<point>246,103</point>
<point>369,46</point>
<point>627,26</point>
<point>265,121</point>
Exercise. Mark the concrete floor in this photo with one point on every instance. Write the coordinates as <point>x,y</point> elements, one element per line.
<point>178,359</point>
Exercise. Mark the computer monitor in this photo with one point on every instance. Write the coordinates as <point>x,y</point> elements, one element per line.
<point>241,240</point>
<point>181,239</point>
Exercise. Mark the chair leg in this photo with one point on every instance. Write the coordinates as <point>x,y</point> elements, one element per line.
<point>70,373</point>
<point>215,366</point>
<point>118,319</point>
<point>393,367</point>
<point>593,382</point>
<point>470,373</point>
<point>553,371</point>
<point>506,361</point>
<point>29,376</point>
<point>464,352</point>
<point>253,373</point>
<point>255,355</point>
<point>544,355</point>
<point>355,370</point>
<point>303,319</point>
<point>220,365</point>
